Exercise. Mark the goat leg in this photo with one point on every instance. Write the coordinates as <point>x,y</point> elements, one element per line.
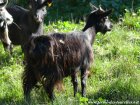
<point>75,82</point>
<point>83,81</point>
<point>27,87</point>
<point>29,81</point>
<point>49,88</point>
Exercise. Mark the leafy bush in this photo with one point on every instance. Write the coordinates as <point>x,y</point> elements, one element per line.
<point>131,20</point>
<point>77,9</point>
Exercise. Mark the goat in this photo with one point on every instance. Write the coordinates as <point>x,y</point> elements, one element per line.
<point>28,22</point>
<point>51,58</point>
<point>5,20</point>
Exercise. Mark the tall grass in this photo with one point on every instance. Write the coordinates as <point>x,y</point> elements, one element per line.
<point>115,73</point>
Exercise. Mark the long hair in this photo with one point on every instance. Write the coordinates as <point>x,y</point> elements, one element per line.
<point>56,55</point>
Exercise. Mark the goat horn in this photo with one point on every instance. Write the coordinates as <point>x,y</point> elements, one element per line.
<point>93,6</point>
<point>4,3</point>
<point>100,8</point>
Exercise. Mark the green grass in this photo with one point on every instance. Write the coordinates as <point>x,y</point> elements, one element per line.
<point>115,73</point>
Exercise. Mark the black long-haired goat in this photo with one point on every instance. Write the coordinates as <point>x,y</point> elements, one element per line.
<point>51,58</point>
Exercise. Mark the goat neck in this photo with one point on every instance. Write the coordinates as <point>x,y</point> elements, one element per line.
<point>39,31</point>
<point>90,33</point>
<point>36,27</point>
<point>90,29</point>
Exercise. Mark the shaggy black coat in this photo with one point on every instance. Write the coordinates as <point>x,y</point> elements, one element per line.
<point>51,58</point>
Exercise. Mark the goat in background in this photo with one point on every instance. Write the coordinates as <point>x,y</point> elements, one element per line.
<point>51,58</point>
<point>5,20</point>
<point>28,22</point>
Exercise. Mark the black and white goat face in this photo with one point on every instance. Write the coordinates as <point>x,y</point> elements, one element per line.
<point>4,15</point>
<point>103,23</point>
<point>38,8</point>
<point>99,19</point>
<point>5,20</point>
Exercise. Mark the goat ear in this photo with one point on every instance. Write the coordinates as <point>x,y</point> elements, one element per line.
<point>106,13</point>
<point>100,8</point>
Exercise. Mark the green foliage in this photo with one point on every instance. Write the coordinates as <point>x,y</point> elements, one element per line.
<point>134,17</point>
<point>77,10</point>
<point>66,10</point>
<point>23,3</point>
<point>118,6</point>
<point>65,26</point>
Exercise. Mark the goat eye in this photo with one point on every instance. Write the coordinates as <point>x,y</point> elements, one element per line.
<point>44,10</point>
<point>7,19</point>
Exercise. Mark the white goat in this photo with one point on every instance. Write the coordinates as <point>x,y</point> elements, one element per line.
<point>5,20</point>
